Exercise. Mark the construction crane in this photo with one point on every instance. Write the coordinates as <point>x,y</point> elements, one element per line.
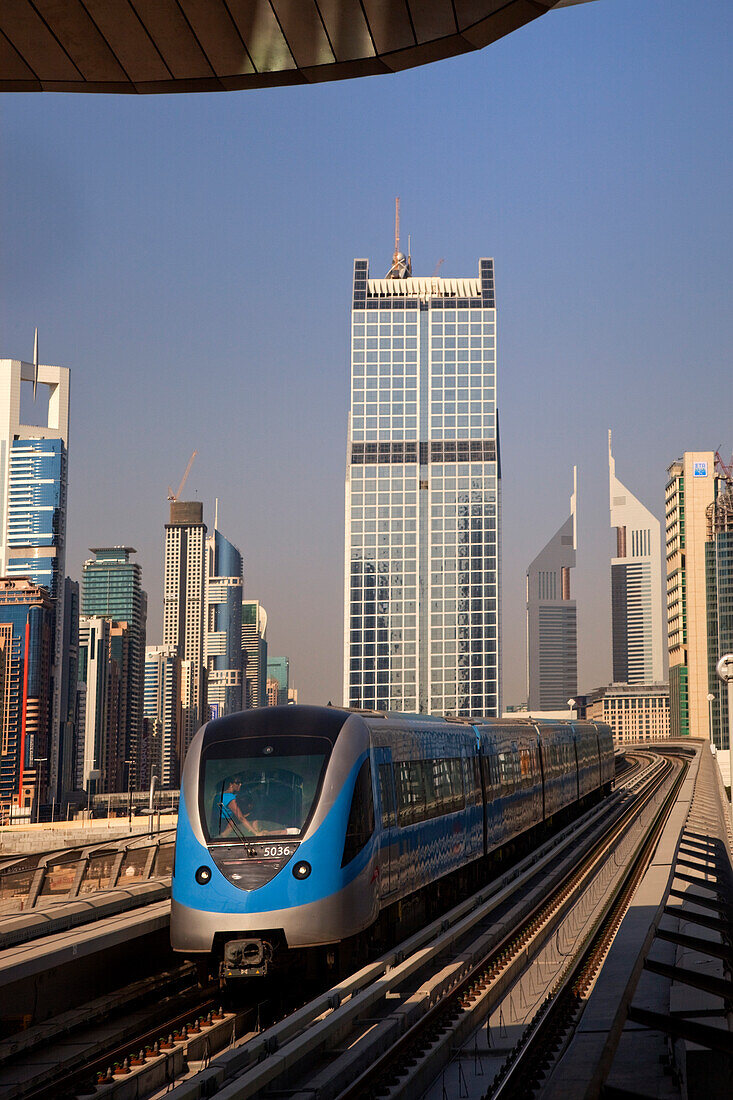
<point>176,496</point>
<point>438,266</point>
<point>726,469</point>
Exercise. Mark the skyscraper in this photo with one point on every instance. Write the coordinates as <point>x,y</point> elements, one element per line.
<point>691,488</point>
<point>636,587</point>
<point>26,648</point>
<point>112,588</point>
<point>278,669</point>
<point>422,590</point>
<point>162,708</point>
<point>719,587</point>
<point>184,606</point>
<point>68,686</point>
<point>223,641</point>
<point>254,648</point>
<point>552,626</point>
<point>103,671</point>
<point>33,484</point>
<point>92,711</point>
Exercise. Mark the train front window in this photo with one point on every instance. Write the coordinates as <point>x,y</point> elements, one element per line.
<point>260,787</point>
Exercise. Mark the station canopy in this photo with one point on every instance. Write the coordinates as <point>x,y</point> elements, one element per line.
<point>147,46</point>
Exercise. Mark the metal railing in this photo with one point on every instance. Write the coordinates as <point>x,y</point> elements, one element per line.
<point>76,872</point>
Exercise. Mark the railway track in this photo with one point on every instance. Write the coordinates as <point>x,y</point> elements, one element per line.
<point>68,1055</point>
<point>545,1038</point>
<point>396,983</point>
<point>388,1029</point>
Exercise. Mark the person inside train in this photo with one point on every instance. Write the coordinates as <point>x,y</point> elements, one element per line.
<point>233,810</point>
<point>244,803</point>
<point>236,809</point>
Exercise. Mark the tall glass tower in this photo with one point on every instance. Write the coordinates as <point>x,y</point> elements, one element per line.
<point>112,588</point>
<point>422,601</point>
<point>223,643</point>
<point>184,608</point>
<point>552,621</point>
<point>636,587</point>
<point>33,484</point>
<point>254,651</point>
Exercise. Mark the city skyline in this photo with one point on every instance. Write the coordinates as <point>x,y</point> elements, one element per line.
<point>147,275</point>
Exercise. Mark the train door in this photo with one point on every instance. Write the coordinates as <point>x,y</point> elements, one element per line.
<point>389,856</point>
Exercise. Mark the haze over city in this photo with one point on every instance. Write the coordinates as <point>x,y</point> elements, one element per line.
<point>189,259</point>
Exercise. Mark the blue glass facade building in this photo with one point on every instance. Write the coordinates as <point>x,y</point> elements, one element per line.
<point>112,589</point>
<point>224,662</point>
<point>37,511</point>
<point>26,641</point>
<point>278,668</point>
<point>254,647</point>
<point>33,486</point>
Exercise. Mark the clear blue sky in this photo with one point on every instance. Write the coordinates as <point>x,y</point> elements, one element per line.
<point>189,258</point>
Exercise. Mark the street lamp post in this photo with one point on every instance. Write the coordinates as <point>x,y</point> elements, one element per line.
<point>724,669</point>
<point>711,698</point>
<point>151,807</point>
<point>129,793</point>
<point>37,762</point>
<point>571,704</point>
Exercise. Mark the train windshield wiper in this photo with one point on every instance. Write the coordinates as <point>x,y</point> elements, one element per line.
<point>230,819</point>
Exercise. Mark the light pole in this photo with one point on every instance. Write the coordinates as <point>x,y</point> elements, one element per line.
<point>129,793</point>
<point>151,807</point>
<point>724,669</point>
<point>38,761</point>
<point>711,697</point>
<point>571,704</point>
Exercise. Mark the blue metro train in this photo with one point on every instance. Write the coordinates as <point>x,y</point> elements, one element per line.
<point>300,827</point>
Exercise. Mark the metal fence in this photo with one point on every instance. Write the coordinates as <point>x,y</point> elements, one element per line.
<point>61,876</point>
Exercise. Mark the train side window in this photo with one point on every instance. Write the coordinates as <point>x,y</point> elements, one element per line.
<point>402,785</point>
<point>361,816</point>
<point>458,800</point>
<point>410,792</point>
<point>505,772</point>
<point>386,793</point>
<point>442,784</point>
<point>433,807</point>
<point>467,779</point>
<point>424,796</point>
<point>494,772</point>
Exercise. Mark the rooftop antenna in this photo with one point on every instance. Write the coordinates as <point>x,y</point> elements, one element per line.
<point>216,513</point>
<point>401,267</point>
<point>396,228</point>
<point>35,364</point>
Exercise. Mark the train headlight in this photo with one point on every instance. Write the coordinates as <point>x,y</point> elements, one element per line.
<point>203,875</point>
<point>302,869</point>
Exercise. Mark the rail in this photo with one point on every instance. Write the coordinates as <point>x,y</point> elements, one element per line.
<point>31,882</point>
<point>396,983</point>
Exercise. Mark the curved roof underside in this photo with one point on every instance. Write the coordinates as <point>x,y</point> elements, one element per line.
<point>144,46</point>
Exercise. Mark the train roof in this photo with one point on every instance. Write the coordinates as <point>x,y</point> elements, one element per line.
<point>267,722</point>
